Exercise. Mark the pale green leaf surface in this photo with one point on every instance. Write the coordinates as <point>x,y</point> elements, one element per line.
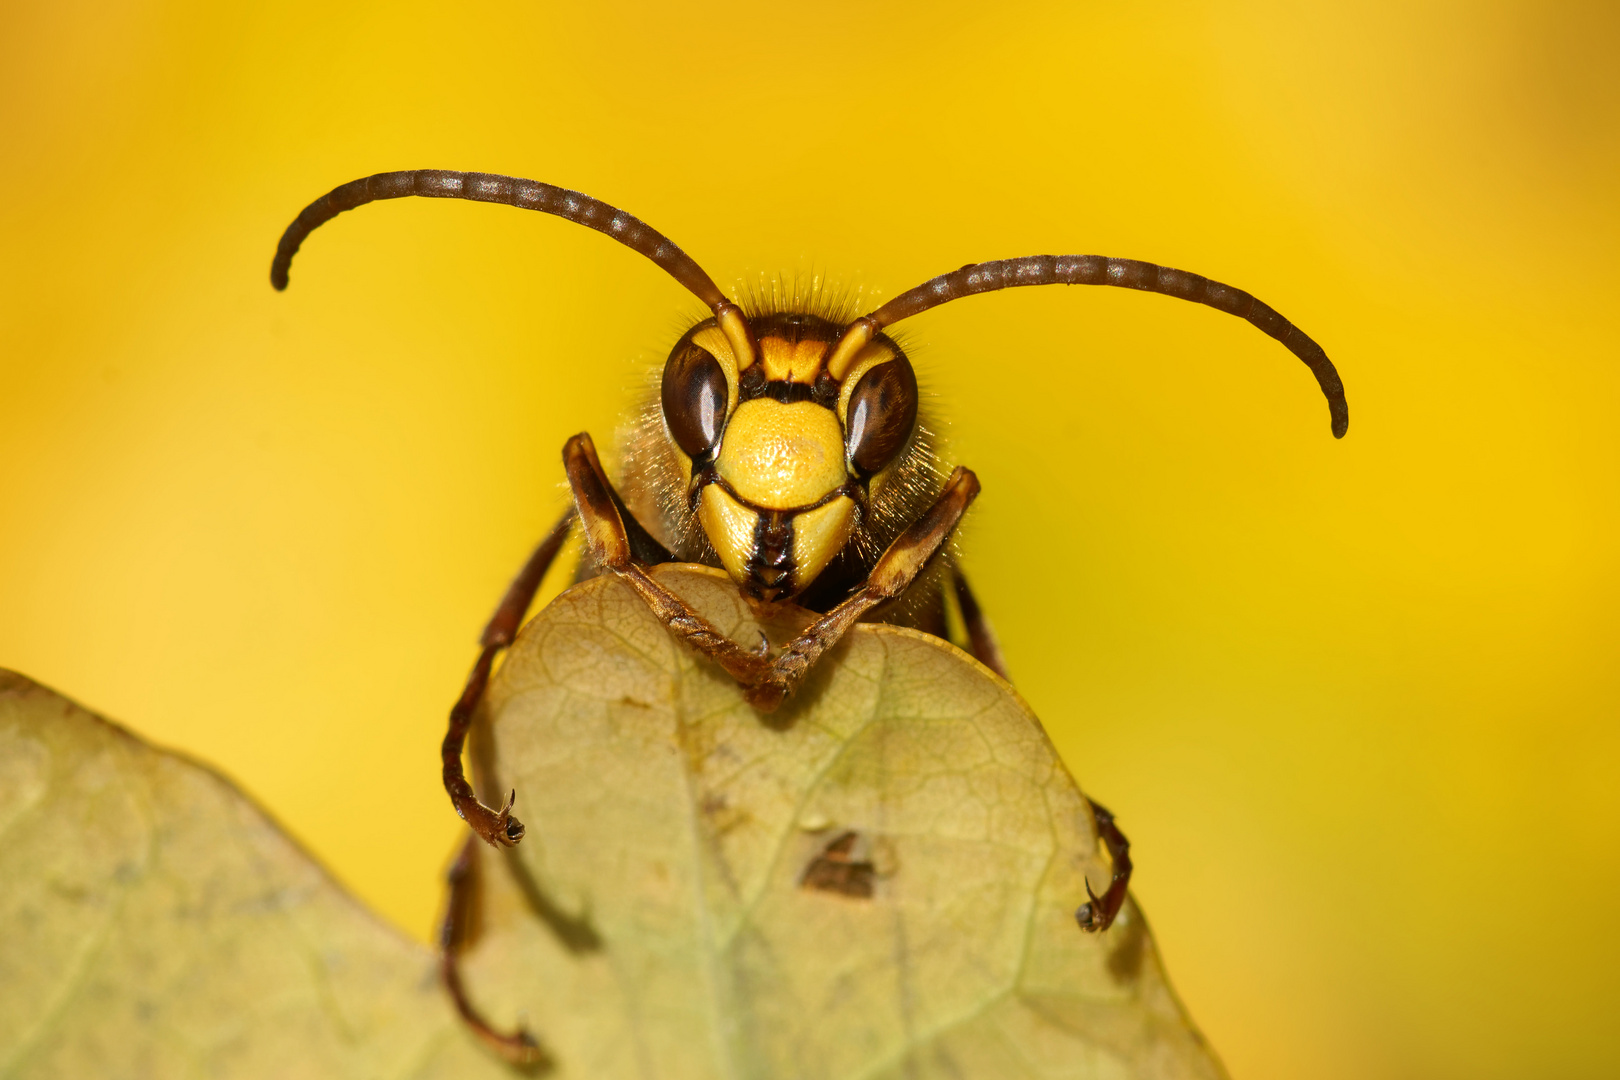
<point>155,924</point>
<point>670,827</point>
<point>653,924</point>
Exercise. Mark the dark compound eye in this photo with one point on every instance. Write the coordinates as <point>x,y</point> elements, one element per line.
<point>882,412</point>
<point>694,398</point>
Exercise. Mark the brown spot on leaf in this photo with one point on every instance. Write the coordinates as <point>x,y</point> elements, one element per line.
<point>723,816</point>
<point>837,870</point>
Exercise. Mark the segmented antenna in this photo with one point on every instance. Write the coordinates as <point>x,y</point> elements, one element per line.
<point>1123,273</point>
<point>507,190</point>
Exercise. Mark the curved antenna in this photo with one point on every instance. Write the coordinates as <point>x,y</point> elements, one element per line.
<point>1100,270</point>
<point>525,195</point>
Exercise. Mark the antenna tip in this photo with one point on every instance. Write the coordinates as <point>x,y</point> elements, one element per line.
<point>1341,420</point>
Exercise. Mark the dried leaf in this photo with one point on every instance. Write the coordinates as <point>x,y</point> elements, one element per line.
<point>157,924</point>
<point>878,881</point>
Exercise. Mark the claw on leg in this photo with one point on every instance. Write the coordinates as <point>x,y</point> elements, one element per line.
<point>498,828</point>
<point>1088,913</point>
<point>1098,912</point>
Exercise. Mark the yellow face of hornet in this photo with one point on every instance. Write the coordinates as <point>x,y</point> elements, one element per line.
<point>779,457</point>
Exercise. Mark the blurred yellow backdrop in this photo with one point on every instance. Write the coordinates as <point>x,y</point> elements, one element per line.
<point>1355,703</point>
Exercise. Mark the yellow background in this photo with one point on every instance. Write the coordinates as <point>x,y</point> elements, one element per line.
<point>1354,702</point>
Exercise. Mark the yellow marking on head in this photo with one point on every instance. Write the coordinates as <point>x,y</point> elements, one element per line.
<point>730,529</point>
<point>715,341</point>
<point>850,344</point>
<point>787,361</point>
<point>870,356</point>
<point>782,456</point>
<point>818,535</point>
<point>741,338</point>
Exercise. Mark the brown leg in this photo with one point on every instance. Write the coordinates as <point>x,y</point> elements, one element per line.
<point>495,826</point>
<point>519,1048</point>
<point>1097,914</point>
<point>766,682</point>
<point>896,569</point>
<point>610,545</point>
<point>981,639</point>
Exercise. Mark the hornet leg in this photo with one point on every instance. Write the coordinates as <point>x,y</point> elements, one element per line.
<point>1097,913</point>
<point>981,639</point>
<point>519,1047</point>
<point>497,827</point>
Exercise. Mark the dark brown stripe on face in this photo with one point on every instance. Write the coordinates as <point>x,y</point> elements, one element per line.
<point>794,327</point>
<point>770,565</point>
<point>752,385</point>
<point>851,488</point>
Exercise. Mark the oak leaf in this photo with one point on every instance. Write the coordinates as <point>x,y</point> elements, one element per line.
<point>879,880</point>
<point>156,924</point>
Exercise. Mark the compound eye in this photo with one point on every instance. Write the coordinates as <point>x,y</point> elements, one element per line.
<point>694,399</point>
<point>882,412</point>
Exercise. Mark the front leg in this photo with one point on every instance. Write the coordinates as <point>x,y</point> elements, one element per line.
<point>766,683</point>
<point>896,569</point>
<point>611,546</point>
